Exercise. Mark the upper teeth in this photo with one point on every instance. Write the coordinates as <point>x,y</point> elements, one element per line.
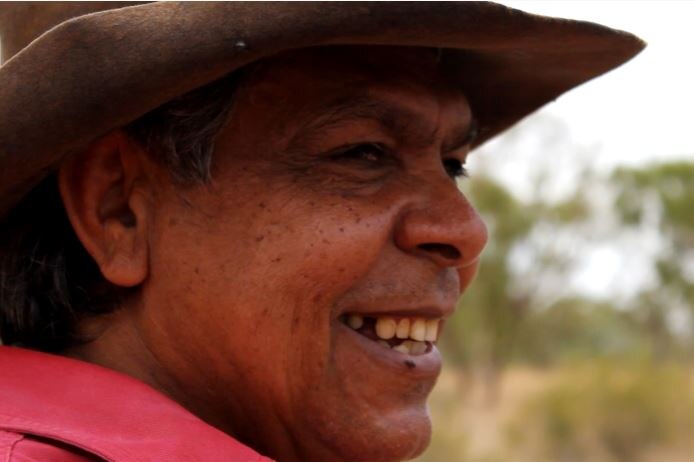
<point>387,327</point>
<point>355,321</point>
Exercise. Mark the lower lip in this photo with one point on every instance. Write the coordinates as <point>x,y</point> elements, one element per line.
<point>424,366</point>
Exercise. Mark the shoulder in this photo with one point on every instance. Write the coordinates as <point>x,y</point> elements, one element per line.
<point>101,411</point>
<point>16,447</point>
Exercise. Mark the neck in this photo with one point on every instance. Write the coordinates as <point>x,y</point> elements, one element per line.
<point>116,342</point>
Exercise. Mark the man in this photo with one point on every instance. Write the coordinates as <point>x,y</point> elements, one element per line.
<point>236,228</point>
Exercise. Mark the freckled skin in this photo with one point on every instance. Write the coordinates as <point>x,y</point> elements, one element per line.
<point>239,312</point>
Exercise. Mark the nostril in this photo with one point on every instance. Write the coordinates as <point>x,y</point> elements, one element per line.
<point>446,251</point>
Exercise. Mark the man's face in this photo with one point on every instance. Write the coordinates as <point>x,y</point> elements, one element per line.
<point>332,203</point>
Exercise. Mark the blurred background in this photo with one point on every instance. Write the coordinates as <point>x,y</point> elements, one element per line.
<point>576,342</point>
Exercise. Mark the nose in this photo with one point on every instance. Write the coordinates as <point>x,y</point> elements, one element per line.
<point>442,226</point>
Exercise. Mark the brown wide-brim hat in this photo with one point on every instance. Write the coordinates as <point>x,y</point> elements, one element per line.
<point>91,72</point>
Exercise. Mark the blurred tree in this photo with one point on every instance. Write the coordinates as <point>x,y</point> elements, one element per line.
<point>522,306</point>
<point>666,191</point>
<point>486,324</point>
<point>578,329</point>
<point>551,217</point>
<point>503,315</point>
<point>493,310</point>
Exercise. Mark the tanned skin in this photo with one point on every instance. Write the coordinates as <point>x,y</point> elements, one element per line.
<point>330,195</point>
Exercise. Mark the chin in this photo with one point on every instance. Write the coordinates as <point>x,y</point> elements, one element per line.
<point>372,405</point>
<point>401,441</point>
<point>399,436</point>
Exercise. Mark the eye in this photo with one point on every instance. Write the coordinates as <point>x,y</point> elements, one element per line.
<point>455,168</point>
<point>365,152</point>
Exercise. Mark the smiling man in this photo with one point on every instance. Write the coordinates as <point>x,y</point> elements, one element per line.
<point>235,229</point>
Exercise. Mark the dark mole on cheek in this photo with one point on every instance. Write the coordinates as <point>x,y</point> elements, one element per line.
<point>342,230</point>
<point>196,270</point>
<point>259,238</point>
<point>262,205</point>
<point>410,364</point>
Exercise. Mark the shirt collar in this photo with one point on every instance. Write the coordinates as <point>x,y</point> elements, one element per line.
<point>109,414</point>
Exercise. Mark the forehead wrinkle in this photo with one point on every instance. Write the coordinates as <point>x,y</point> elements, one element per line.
<point>399,120</point>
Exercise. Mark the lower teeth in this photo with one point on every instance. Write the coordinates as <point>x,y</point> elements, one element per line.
<point>408,347</point>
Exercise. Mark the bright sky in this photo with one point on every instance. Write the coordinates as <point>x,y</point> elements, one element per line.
<point>639,113</point>
<point>643,110</point>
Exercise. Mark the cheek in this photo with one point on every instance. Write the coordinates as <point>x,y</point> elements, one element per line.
<point>467,275</point>
<point>317,249</point>
<point>261,277</point>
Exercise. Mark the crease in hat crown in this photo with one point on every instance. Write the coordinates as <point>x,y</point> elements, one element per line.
<point>74,71</point>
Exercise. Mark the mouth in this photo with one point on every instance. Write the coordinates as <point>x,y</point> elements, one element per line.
<point>412,336</point>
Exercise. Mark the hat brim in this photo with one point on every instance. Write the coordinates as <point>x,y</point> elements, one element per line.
<point>99,71</point>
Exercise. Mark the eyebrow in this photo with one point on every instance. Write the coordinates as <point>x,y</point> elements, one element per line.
<point>401,121</point>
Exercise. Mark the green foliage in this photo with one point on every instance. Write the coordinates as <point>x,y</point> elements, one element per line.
<point>575,329</point>
<point>501,318</point>
<point>486,320</point>
<point>572,210</point>
<point>669,188</point>
<point>612,411</point>
<point>509,219</point>
<point>490,326</point>
<point>671,184</point>
<point>622,390</point>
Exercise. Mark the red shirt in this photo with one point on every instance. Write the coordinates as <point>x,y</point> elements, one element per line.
<point>56,409</point>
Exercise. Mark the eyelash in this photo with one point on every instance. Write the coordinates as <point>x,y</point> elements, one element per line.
<point>374,152</point>
<point>455,168</point>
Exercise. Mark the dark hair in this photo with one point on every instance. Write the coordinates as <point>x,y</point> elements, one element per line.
<point>48,281</point>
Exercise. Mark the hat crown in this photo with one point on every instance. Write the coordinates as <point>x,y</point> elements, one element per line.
<point>22,22</point>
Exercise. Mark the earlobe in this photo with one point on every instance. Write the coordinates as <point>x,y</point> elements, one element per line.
<point>125,261</point>
<point>105,193</point>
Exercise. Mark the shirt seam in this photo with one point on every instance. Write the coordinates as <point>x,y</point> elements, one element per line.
<point>18,425</point>
<point>11,446</point>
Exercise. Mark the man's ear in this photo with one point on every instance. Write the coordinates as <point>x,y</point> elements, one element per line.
<point>108,200</point>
